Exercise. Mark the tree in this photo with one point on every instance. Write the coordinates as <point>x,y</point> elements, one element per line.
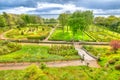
<point>2,21</point>
<point>79,21</point>
<point>110,22</point>
<point>115,44</point>
<point>63,20</point>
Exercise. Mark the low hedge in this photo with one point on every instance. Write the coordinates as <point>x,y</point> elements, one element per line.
<point>8,47</point>
<point>36,37</point>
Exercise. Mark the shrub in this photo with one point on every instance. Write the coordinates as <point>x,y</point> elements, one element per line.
<point>36,37</point>
<point>117,67</point>
<point>33,73</point>
<point>112,61</point>
<point>8,47</point>
<point>115,44</point>
<point>63,50</point>
<point>42,66</point>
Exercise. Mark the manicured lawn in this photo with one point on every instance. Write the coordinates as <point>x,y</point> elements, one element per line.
<point>34,53</point>
<point>65,73</point>
<point>106,54</point>
<point>67,36</point>
<point>28,33</point>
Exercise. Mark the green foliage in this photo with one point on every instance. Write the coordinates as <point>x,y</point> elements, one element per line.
<point>64,73</point>
<point>117,67</point>
<point>35,53</point>
<point>2,21</point>
<point>33,73</point>
<point>110,22</point>
<point>80,20</point>
<point>63,50</point>
<point>105,53</point>
<point>8,47</point>
<point>43,66</point>
<point>14,20</point>
<point>30,32</point>
<point>58,35</point>
<point>63,20</point>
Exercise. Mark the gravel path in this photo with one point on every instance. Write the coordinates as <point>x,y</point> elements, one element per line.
<point>87,58</point>
<point>53,29</point>
<point>20,66</point>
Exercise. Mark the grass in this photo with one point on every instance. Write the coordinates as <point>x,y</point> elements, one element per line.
<point>93,33</point>
<point>105,52</point>
<point>101,34</point>
<point>67,36</point>
<point>34,53</point>
<point>65,73</point>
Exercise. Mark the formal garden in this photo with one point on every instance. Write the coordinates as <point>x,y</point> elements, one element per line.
<point>58,40</point>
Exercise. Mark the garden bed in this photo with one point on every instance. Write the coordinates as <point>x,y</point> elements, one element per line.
<point>37,53</point>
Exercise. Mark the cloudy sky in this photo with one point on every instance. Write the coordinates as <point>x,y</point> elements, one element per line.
<point>110,7</point>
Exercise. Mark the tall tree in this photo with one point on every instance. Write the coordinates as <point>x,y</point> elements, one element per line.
<point>80,20</point>
<point>63,20</point>
<point>2,21</point>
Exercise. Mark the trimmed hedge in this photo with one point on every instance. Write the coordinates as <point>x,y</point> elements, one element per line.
<point>8,47</point>
<point>36,37</point>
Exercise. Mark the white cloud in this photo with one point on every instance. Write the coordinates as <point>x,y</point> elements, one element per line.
<point>62,8</point>
<point>18,10</point>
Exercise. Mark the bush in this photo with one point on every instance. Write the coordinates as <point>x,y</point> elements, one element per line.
<point>34,73</point>
<point>112,61</point>
<point>115,44</point>
<point>42,66</point>
<point>36,37</point>
<point>117,67</point>
<point>63,50</point>
<point>8,47</point>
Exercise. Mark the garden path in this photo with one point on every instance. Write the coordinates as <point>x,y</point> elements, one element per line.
<point>51,32</point>
<point>19,66</point>
<point>86,57</point>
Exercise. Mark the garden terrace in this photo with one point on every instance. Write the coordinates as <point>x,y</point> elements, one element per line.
<point>38,33</point>
<point>37,53</point>
<point>92,34</point>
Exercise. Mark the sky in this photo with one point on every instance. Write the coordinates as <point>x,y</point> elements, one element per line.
<point>99,7</point>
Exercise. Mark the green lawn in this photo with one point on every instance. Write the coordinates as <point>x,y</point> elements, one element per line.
<point>65,73</point>
<point>34,53</point>
<point>67,36</point>
<point>106,54</point>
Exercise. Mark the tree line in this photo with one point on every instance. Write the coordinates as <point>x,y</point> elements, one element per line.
<point>77,21</point>
<point>14,20</point>
<point>111,22</point>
